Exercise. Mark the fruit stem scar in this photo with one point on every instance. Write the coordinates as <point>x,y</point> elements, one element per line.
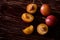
<point>40,2</point>
<point>43,17</point>
<point>33,1</point>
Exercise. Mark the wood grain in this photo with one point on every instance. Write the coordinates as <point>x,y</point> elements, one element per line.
<point>11,24</point>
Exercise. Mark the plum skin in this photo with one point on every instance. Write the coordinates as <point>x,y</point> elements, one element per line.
<point>50,20</point>
<point>45,9</point>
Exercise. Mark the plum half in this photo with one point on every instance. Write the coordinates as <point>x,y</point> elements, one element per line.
<point>42,29</point>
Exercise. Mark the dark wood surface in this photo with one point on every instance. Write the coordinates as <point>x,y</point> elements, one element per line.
<point>11,24</point>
